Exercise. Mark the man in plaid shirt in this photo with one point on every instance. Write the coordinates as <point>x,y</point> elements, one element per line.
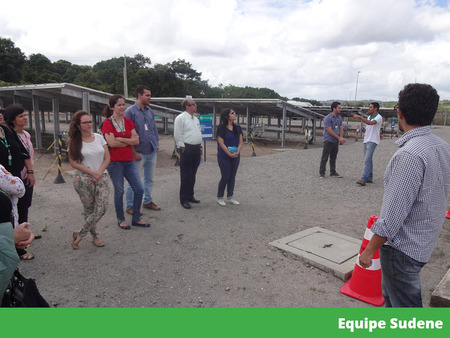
<point>417,184</point>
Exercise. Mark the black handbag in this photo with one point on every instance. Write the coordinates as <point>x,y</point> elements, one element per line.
<point>22,292</point>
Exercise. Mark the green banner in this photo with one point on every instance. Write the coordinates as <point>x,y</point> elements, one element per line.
<point>220,322</point>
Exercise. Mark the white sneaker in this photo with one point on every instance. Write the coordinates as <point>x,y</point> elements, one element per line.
<point>221,202</point>
<point>232,201</point>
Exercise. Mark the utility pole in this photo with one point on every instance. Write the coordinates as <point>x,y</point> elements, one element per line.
<point>125,81</point>
<point>356,89</point>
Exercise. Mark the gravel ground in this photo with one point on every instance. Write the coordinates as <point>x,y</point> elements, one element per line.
<point>213,256</point>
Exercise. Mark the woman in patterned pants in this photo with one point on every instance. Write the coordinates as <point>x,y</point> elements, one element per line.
<point>89,155</point>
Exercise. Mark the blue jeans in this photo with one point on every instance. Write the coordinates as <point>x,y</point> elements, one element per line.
<point>369,149</point>
<point>401,280</point>
<point>147,167</point>
<point>118,170</point>
<point>228,169</point>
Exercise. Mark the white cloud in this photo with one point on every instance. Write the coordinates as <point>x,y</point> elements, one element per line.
<point>311,49</point>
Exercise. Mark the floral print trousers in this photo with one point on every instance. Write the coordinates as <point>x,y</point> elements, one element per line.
<point>94,196</point>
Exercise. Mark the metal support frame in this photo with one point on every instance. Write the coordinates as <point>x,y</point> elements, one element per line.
<point>165,121</point>
<point>283,131</point>
<point>314,129</point>
<point>43,120</point>
<point>278,128</point>
<point>56,129</point>
<point>215,122</point>
<point>35,101</point>
<point>85,102</point>
<point>248,124</point>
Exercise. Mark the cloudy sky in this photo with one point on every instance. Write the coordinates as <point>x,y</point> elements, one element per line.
<point>311,49</point>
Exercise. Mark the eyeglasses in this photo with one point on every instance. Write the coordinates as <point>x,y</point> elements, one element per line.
<point>87,122</point>
<point>396,107</point>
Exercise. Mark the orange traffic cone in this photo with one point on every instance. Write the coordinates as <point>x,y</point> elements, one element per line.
<point>365,284</point>
<point>448,213</point>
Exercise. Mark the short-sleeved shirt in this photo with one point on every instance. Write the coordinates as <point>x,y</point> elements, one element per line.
<point>144,120</point>
<point>93,152</point>
<point>124,153</point>
<point>229,138</point>
<point>335,122</point>
<point>372,133</point>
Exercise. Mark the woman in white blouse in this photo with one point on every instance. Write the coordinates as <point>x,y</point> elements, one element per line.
<point>89,155</point>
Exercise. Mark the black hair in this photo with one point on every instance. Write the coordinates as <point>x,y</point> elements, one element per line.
<point>334,105</point>
<point>375,105</point>
<point>418,103</point>
<point>224,119</point>
<point>141,89</point>
<point>11,112</point>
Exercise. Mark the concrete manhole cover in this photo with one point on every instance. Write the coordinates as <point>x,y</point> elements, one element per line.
<point>324,249</point>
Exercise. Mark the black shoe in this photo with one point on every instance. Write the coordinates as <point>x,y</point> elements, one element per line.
<point>193,200</point>
<point>186,205</point>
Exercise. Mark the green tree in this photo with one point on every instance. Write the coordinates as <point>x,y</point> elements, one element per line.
<point>61,68</point>
<point>142,61</point>
<point>247,92</point>
<point>174,79</point>
<point>110,72</point>
<point>183,70</point>
<point>12,61</point>
<point>39,69</point>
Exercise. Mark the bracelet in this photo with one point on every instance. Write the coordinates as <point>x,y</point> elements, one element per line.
<point>30,171</point>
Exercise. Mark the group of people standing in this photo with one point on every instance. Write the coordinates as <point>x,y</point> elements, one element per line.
<point>416,181</point>
<point>16,191</point>
<point>333,135</point>
<point>128,150</point>
<point>129,144</point>
<point>16,157</point>
<point>188,138</point>
<point>416,190</point>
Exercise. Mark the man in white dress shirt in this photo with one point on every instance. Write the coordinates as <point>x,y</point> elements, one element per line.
<point>188,138</point>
